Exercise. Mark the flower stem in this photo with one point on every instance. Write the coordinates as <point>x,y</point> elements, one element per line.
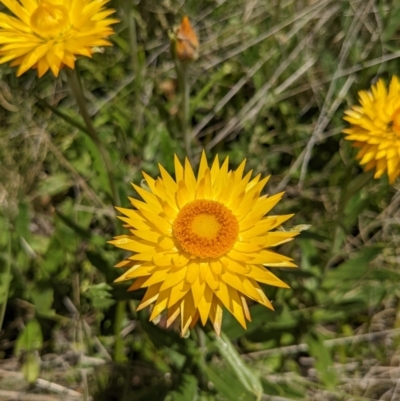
<point>186,111</point>
<point>76,89</point>
<point>119,355</point>
<point>134,51</point>
<point>136,65</point>
<point>184,87</point>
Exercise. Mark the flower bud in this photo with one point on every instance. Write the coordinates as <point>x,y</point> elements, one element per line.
<point>186,41</point>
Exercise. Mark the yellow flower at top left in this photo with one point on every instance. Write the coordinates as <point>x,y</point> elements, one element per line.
<point>48,34</point>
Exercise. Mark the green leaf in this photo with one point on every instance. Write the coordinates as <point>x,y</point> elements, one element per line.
<point>323,363</point>
<point>30,338</point>
<point>5,277</point>
<point>326,315</point>
<point>54,257</point>
<point>54,184</point>
<point>391,26</point>
<point>71,119</point>
<point>100,296</point>
<point>43,299</point>
<point>354,188</point>
<point>352,269</point>
<point>288,390</point>
<point>22,220</point>
<point>259,316</point>
<point>31,367</point>
<point>65,234</point>
<point>308,254</point>
<point>97,260</point>
<point>83,233</point>
<point>187,390</point>
<point>98,163</point>
<point>245,375</point>
<point>227,384</point>
<point>385,274</point>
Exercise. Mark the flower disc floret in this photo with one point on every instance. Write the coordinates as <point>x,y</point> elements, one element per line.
<point>206,228</point>
<point>202,244</point>
<point>49,20</point>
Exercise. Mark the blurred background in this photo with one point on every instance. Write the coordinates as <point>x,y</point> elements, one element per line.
<point>271,83</point>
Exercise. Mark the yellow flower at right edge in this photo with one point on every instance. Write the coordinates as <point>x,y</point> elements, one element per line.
<point>375,129</point>
<point>203,243</point>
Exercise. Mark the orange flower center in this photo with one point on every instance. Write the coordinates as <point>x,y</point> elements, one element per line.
<point>206,228</point>
<point>49,19</point>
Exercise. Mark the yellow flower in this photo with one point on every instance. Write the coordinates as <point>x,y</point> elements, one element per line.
<point>51,33</point>
<point>375,128</point>
<point>201,244</point>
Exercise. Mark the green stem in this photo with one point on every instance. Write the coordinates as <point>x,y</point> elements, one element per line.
<point>119,355</point>
<point>186,111</point>
<point>135,65</point>
<point>184,87</point>
<point>61,114</point>
<point>77,92</point>
<point>201,338</point>
<point>133,40</point>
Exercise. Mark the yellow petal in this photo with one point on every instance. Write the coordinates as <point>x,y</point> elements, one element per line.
<point>216,315</point>
<point>151,296</point>
<point>178,292</point>
<point>193,271</point>
<point>190,179</point>
<point>160,305</point>
<point>205,303</point>
<point>202,167</point>
<point>173,312</point>
<point>188,311</point>
<point>262,275</point>
<point>178,169</point>
<point>175,276</point>
<point>198,289</point>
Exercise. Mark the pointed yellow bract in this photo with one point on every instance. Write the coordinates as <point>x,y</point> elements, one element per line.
<point>375,129</point>
<point>201,243</point>
<point>48,34</point>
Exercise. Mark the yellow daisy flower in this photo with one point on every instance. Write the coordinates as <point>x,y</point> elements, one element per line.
<point>375,128</point>
<point>51,33</point>
<point>201,244</point>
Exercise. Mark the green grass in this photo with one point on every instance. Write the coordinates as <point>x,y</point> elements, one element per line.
<point>271,85</point>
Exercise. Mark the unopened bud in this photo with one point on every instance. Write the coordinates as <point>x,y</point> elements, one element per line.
<point>186,41</point>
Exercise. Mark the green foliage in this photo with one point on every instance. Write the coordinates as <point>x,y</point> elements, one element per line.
<point>227,385</point>
<point>323,362</point>
<point>244,374</point>
<point>187,391</point>
<point>28,343</point>
<point>267,74</point>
